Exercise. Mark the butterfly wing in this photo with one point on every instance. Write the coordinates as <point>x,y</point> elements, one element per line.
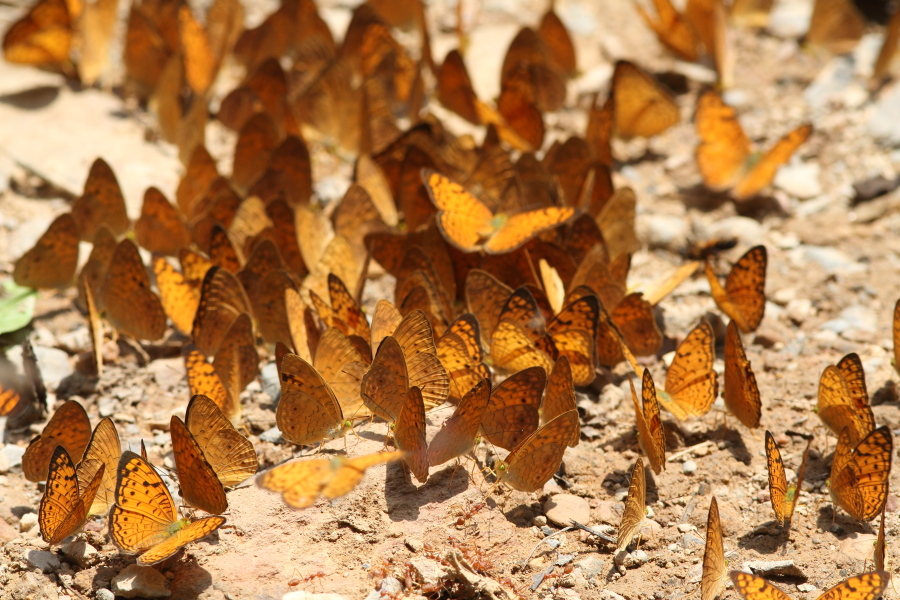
<point>741,393</point>
<point>188,531</point>
<point>103,449</point>
<point>458,434</point>
<point>459,350</point>
<point>778,488</point>
<point>231,454</point>
<point>385,384</point>
<point>308,411</point>
<point>712,581</point>
<point>651,435</point>
<point>745,288</point>
<point>559,397</point>
<point>61,511</point>
<point>691,383</point>
<point>348,472</point>
<point>131,306</point>
<point>837,409</point>
<point>68,427</point>
<point>859,481</point>
<point>643,108</point>
<point>409,434</point>
<point>635,507</point>
<point>754,587</point>
<point>512,413</point>
<point>200,487</point>
<point>521,227</point>
<point>463,219</point>
<point>574,332</point>
<point>533,462</point>
<point>763,172</point>
<point>144,509</point>
<point>416,338</point>
<point>52,261</point>
<point>724,147</point>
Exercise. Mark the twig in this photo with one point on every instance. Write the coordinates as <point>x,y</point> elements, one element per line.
<point>591,531</point>
<point>687,451</point>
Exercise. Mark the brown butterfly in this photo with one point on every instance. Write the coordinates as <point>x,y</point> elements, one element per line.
<point>512,413</point>
<point>836,25</point>
<point>888,48</point>
<point>230,454</point>
<point>308,411</point>
<point>559,396</point>
<point>222,299</point>
<point>219,385</point>
<point>725,156</point>
<point>642,107</point>
<point>691,382</point>
<point>744,296</point>
<point>101,203</point>
<point>651,434</point>
<point>103,451</point>
<point>160,228</point>
<point>784,496</point>
<point>199,485</point>
<point>68,427</point>
<point>843,402</point>
<point>65,505</point>
<point>408,432</point>
<point>867,586</point>
<point>535,459</point>
<point>741,394</point>
<point>131,306</point>
<point>751,13</point>
<point>459,433</point>
<point>343,313</point>
<point>712,581</point>
<point>635,507</point>
<point>460,351</point>
<point>859,475</point>
<point>53,259</point>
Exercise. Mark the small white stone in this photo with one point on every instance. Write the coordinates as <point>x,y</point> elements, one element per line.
<point>28,521</point>
<point>688,467</point>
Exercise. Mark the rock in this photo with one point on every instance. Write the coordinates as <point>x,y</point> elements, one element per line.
<point>798,310</point>
<point>689,467</point>
<point>610,595</point>
<point>390,585</point>
<point>807,587</point>
<point>53,363</point>
<point>271,384</point>
<point>800,180</point>
<point>539,521</point>
<point>44,560</point>
<point>104,594</point>
<point>562,508</point>
<point>689,540</point>
<point>832,260</point>
<point>883,124</point>
<point>789,20</point>
<point>859,546</point>
<point>27,521</point>
<point>137,581</point>
<point>832,83</point>
<point>610,398</point>
<point>414,544</point>
<point>591,566</point>
<point>856,317</point>
<point>13,454</point>
<point>663,231</point>
<point>80,552</point>
<point>272,435</point>
<point>429,572</point>
<point>169,373</point>
<point>7,532</point>
<point>107,406</point>
<point>30,585</point>
<point>747,231</point>
<point>685,527</point>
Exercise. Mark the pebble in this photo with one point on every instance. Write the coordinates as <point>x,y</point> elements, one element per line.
<point>414,544</point>
<point>635,559</point>
<point>107,407</point>
<point>271,384</point>
<point>591,566</point>
<point>80,552</point>
<point>831,259</point>
<point>807,587</point>
<point>800,180</point>
<point>610,595</point>
<point>562,508</point>
<point>272,435</point>
<point>169,373</point>
<point>28,521</point>
<point>685,527</point>
<point>104,594</point>
<point>53,362</point>
<point>799,309</point>
<point>137,581</point>
<point>689,540</point>
<point>663,231</point>
<point>7,532</point>
<point>747,231</point>
<point>689,467</point>
<point>44,560</point>
<point>883,124</point>
<point>856,317</point>
<point>831,83</point>
<point>789,20</point>
<point>429,572</point>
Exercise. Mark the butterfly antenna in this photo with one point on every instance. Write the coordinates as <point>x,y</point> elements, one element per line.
<point>534,273</point>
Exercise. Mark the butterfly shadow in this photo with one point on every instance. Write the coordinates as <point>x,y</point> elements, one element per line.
<point>34,98</point>
<point>404,498</point>
<point>734,441</point>
<point>756,207</point>
<point>842,525</point>
<point>191,579</point>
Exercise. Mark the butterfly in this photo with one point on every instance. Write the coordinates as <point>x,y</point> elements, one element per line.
<point>460,351</point>
<point>651,434</point>
<point>178,297</point>
<point>101,203</point>
<point>10,400</point>
<point>68,427</point>
<point>633,516</point>
<point>131,306</point>
<point>642,107</point>
<point>103,451</point>
<point>836,25</point>
<point>725,156</point>
<point>66,503</point>
<point>880,547</point>
<point>843,402</point>
<point>222,299</point>
<point>859,475</point>
<point>160,228</point>
<point>408,432</point>
<point>221,385</point>
<point>301,482</point>
<point>144,519</point>
<point>712,581</point>
<point>523,337</point>
<point>741,394</point>
<point>237,354</point>
<point>784,497</point>
<point>691,383</point>
<point>51,263</point>
<point>95,326</point>
<point>559,396</point>
<point>230,454</point>
<point>513,411</point>
<point>535,459</point>
<point>888,48</point>
<point>94,270</point>
<point>308,411</point>
<point>343,313</point>
<point>469,225</point>
<point>459,433</point>
<point>744,296</point>
<point>199,174</point>
<point>199,485</point>
<point>867,586</point>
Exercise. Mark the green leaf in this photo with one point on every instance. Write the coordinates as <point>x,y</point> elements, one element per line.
<point>16,306</point>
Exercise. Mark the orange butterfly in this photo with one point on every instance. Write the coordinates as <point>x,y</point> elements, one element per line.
<point>308,411</point>
<point>691,382</point>
<point>744,296</point>
<point>859,474</point>
<point>68,427</point>
<point>651,435</point>
<point>460,351</point>
<point>784,497</point>
<point>103,451</point>
<point>725,155</point>
<point>836,25</point>
<point>161,228</point>
<point>469,225</point>
<point>843,402</point>
<point>459,433</point>
<point>642,107</point>
<point>65,505</point>
<point>53,259</point>
<point>741,394</point>
<point>512,413</point>
<point>867,586</point>
<point>131,306</point>
<point>535,459</point>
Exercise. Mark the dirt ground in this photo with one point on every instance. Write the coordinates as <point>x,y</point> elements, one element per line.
<point>831,288</point>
